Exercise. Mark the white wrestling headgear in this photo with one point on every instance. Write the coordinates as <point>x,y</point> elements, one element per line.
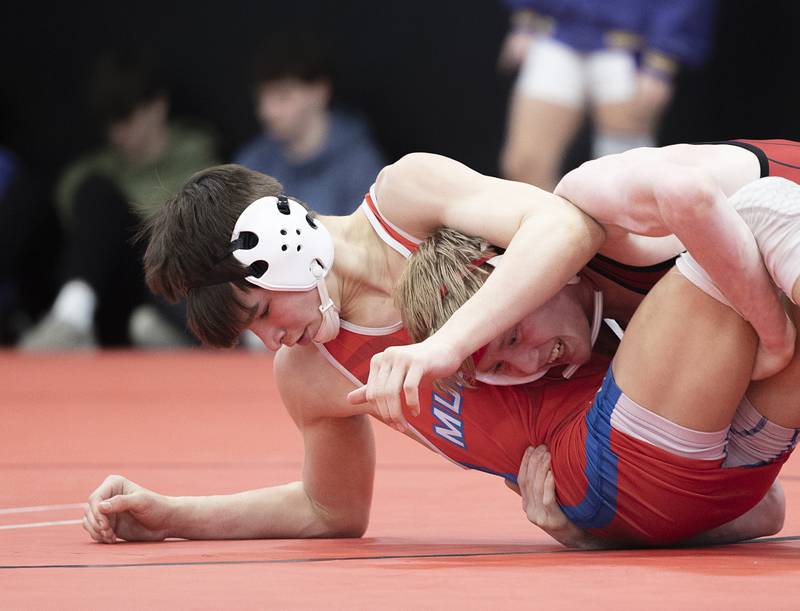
<point>500,379</point>
<point>287,250</point>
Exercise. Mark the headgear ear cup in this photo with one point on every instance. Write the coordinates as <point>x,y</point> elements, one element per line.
<point>298,251</point>
<point>287,250</point>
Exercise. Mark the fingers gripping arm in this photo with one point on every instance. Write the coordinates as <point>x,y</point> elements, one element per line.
<point>537,488</point>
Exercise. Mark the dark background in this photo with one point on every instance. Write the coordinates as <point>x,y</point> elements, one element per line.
<point>422,71</point>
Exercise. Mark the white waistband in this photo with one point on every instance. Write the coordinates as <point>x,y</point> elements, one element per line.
<point>640,423</point>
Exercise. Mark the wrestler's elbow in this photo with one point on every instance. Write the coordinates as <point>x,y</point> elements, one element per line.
<point>347,529</point>
<point>581,229</point>
<point>348,523</point>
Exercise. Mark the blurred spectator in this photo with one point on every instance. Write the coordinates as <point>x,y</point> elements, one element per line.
<point>27,222</point>
<point>619,57</point>
<point>319,155</point>
<point>99,199</point>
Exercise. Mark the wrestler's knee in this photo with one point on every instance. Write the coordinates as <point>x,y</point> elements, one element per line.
<point>773,513</point>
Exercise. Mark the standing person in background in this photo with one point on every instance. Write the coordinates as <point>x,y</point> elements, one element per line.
<point>320,155</point>
<point>618,57</point>
<point>100,198</point>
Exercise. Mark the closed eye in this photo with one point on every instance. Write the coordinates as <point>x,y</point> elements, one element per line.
<point>265,313</point>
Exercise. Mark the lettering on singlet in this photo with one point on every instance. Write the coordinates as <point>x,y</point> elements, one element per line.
<point>446,410</point>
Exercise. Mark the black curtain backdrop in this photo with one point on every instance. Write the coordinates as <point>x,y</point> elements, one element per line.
<point>422,71</point>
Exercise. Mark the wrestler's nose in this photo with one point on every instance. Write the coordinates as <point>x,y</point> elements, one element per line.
<point>522,363</point>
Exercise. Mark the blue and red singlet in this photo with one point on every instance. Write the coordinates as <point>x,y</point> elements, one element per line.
<point>612,484</point>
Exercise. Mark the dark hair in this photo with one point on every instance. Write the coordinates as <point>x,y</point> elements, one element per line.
<point>123,80</point>
<point>188,245</point>
<point>300,55</point>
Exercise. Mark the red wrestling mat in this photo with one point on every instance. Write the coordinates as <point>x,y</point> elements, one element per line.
<point>202,423</point>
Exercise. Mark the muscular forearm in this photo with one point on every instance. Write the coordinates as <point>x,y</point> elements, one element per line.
<point>542,257</point>
<point>655,198</point>
<point>278,512</point>
<point>724,246</point>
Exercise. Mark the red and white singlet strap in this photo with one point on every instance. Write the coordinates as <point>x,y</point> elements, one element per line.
<point>401,241</point>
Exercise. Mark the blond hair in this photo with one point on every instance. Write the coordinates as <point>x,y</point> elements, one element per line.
<point>446,270</point>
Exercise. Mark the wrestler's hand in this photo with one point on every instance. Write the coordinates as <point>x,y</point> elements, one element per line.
<point>396,373</point>
<point>121,509</point>
<point>538,489</point>
<point>773,358</point>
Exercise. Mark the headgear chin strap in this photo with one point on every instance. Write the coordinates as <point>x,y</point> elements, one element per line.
<point>500,379</point>
<point>597,322</point>
<point>329,328</point>
<point>285,249</point>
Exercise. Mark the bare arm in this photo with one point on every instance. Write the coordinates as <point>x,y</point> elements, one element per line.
<point>547,239</point>
<point>332,499</point>
<point>650,195</point>
<point>318,506</point>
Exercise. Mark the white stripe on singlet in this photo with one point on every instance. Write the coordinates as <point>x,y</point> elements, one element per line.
<point>640,423</point>
<point>381,230</point>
